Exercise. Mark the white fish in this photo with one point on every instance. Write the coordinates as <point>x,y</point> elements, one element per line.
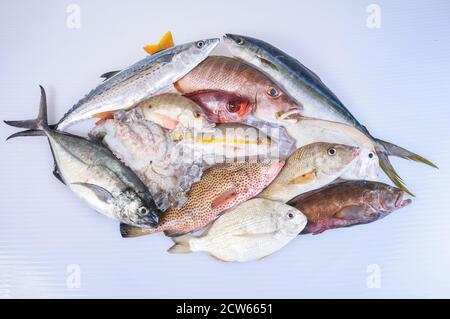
<point>253,230</point>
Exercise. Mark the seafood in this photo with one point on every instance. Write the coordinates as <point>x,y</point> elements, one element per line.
<point>348,203</point>
<point>222,187</point>
<point>166,42</point>
<point>310,167</point>
<point>253,230</point>
<point>93,173</point>
<point>124,89</point>
<point>316,100</point>
<point>231,75</point>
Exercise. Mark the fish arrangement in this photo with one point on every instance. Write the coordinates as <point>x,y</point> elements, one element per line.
<point>233,155</point>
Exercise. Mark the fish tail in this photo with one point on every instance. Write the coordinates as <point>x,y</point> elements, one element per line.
<point>35,127</point>
<point>182,245</point>
<point>128,231</point>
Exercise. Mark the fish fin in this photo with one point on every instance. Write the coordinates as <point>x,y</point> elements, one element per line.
<point>101,193</point>
<point>395,150</point>
<point>389,170</point>
<point>109,75</point>
<point>165,43</point>
<point>304,178</point>
<point>35,125</point>
<point>128,231</point>
<point>56,171</point>
<point>267,63</point>
<point>166,121</point>
<point>256,235</point>
<point>223,198</point>
<point>166,58</point>
<point>181,246</point>
<point>172,234</point>
<point>218,259</point>
<point>349,212</point>
<point>108,116</point>
<point>101,115</point>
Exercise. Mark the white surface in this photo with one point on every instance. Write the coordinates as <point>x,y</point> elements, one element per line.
<point>394,79</point>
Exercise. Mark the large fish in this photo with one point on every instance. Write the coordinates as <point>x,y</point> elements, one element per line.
<point>94,174</point>
<point>310,167</point>
<point>348,203</point>
<point>253,230</point>
<point>231,75</point>
<point>222,187</point>
<point>126,88</point>
<point>315,98</point>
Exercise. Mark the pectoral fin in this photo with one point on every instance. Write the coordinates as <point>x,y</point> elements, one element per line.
<point>257,235</point>
<point>268,63</point>
<point>165,43</point>
<point>101,193</point>
<point>350,212</point>
<point>304,178</point>
<point>224,198</point>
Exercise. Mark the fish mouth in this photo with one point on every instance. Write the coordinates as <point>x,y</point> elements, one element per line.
<point>400,202</point>
<point>290,116</point>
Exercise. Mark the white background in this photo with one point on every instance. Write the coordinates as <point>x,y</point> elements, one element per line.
<point>394,79</point>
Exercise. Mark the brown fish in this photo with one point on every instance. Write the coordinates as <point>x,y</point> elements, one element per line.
<point>222,187</point>
<point>232,75</point>
<point>348,203</point>
<point>221,106</point>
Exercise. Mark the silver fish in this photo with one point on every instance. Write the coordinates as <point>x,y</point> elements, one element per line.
<point>315,98</point>
<point>124,89</point>
<point>94,174</point>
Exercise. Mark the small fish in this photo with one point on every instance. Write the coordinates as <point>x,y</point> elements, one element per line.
<point>253,230</point>
<point>348,203</point>
<point>166,42</point>
<point>173,111</point>
<point>153,74</point>
<point>94,174</point>
<point>221,106</point>
<point>308,168</point>
<point>231,75</point>
<point>225,142</point>
<point>221,187</point>
<point>316,100</point>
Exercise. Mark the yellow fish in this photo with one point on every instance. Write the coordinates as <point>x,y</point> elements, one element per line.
<point>165,43</point>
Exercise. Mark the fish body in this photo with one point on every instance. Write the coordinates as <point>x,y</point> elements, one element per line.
<point>171,111</point>
<point>143,79</point>
<point>348,203</point>
<point>310,167</point>
<point>94,174</point>
<point>220,73</point>
<point>253,230</point>
<point>221,187</point>
<point>316,100</point>
<point>221,106</point>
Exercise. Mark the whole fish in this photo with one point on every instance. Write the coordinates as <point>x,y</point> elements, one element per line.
<point>94,174</point>
<point>308,130</point>
<point>348,203</point>
<point>221,106</point>
<point>315,98</point>
<point>308,168</point>
<point>231,75</point>
<point>124,89</point>
<point>253,230</point>
<point>173,111</point>
<point>222,187</point>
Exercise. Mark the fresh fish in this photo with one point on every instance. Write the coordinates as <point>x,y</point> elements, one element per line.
<point>253,230</point>
<point>222,187</point>
<point>221,106</point>
<point>166,42</point>
<point>231,75</point>
<point>348,203</point>
<point>315,98</point>
<point>125,89</point>
<point>226,142</point>
<point>149,151</point>
<point>308,168</point>
<point>308,130</point>
<point>173,111</point>
<point>94,174</point>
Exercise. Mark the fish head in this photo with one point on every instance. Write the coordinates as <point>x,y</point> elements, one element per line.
<point>330,159</point>
<point>244,48</point>
<point>384,199</point>
<point>365,167</point>
<point>291,221</point>
<point>136,211</point>
<point>193,53</point>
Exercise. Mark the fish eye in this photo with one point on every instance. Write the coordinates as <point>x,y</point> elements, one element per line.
<point>143,210</point>
<point>197,115</point>
<point>273,92</point>
<point>371,155</point>
<point>200,44</point>
<point>240,41</point>
<point>331,151</point>
<point>291,215</point>
<point>232,107</point>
